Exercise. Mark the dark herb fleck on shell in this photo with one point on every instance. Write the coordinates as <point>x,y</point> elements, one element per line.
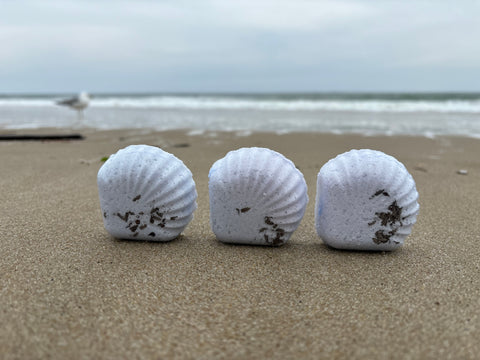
<point>382,237</point>
<point>380,192</point>
<point>273,235</point>
<point>137,222</point>
<point>242,210</point>
<point>392,218</point>
<point>125,217</point>
<point>393,215</point>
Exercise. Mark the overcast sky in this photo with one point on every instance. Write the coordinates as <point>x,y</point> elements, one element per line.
<point>239,46</point>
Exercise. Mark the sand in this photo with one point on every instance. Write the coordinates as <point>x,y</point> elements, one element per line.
<point>70,291</point>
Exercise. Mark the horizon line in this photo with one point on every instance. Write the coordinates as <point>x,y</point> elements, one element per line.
<point>194,93</point>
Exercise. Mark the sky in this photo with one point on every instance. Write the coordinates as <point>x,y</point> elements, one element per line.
<point>239,46</point>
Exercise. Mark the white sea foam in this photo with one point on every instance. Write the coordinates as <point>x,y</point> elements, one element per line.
<point>11,102</point>
<point>243,103</point>
<point>212,103</point>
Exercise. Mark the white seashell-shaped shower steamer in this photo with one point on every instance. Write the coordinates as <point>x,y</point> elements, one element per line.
<point>146,194</point>
<point>257,196</point>
<point>366,200</point>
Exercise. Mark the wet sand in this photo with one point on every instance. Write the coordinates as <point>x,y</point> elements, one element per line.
<point>69,290</point>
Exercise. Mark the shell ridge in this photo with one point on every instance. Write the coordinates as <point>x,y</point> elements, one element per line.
<point>402,199</point>
<point>180,207</point>
<point>258,191</point>
<point>296,215</point>
<point>150,173</point>
<point>301,195</point>
<point>248,168</point>
<point>129,171</point>
<point>277,179</point>
<point>135,183</point>
<point>181,220</point>
<point>140,178</point>
<point>145,178</point>
<point>399,181</point>
<point>176,208</point>
<point>405,230</point>
<point>184,185</point>
<point>275,195</point>
<point>180,225</point>
<point>280,174</point>
<point>408,196</point>
<point>165,185</point>
<point>391,179</point>
<point>175,196</point>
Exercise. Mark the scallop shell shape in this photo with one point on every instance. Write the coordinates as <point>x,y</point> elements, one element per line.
<point>366,200</point>
<point>146,194</point>
<point>257,196</point>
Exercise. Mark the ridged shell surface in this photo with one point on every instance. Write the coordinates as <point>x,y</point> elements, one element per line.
<point>257,196</point>
<point>146,194</point>
<point>366,200</point>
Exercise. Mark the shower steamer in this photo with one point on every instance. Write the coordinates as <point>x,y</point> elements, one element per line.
<point>257,196</point>
<point>366,200</point>
<point>145,194</point>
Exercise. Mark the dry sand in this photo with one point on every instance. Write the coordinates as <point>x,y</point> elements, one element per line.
<point>69,291</point>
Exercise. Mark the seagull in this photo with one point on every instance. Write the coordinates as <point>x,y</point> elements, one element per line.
<point>78,103</point>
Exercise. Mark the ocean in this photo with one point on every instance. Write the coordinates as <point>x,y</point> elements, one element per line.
<point>424,114</point>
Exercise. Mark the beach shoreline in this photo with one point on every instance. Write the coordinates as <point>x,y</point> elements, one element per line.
<point>69,290</point>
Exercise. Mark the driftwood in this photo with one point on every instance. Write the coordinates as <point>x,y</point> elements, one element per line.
<point>27,137</point>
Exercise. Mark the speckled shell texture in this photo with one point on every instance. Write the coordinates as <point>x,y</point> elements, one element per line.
<point>146,194</point>
<point>257,196</point>
<point>366,200</point>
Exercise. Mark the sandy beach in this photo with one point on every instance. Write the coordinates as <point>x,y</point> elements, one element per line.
<point>70,291</point>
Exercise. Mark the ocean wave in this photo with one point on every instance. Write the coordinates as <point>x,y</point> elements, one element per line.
<point>291,105</point>
<point>429,124</point>
<point>239,103</point>
<point>20,102</point>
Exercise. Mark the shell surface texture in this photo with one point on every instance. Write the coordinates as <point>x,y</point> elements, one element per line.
<point>257,196</point>
<point>366,200</point>
<point>146,194</point>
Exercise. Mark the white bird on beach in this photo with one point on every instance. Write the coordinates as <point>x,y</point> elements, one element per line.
<point>78,103</point>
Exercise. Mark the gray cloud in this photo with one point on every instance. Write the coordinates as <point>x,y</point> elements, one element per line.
<point>239,46</point>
